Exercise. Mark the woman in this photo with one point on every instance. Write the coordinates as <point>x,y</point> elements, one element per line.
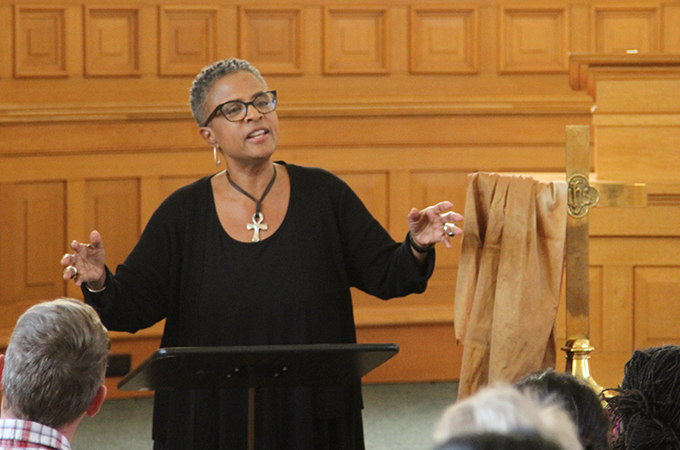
<point>646,407</point>
<point>263,253</point>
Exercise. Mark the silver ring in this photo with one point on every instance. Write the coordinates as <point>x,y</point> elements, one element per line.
<point>448,229</point>
<point>75,271</point>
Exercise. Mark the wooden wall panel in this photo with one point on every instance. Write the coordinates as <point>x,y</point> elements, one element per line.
<point>32,233</point>
<point>356,41</point>
<point>40,41</point>
<point>534,39</point>
<point>113,209</point>
<point>188,39</point>
<point>271,38</point>
<point>657,306</point>
<point>112,45</point>
<point>622,28</point>
<point>444,40</point>
<point>402,99</point>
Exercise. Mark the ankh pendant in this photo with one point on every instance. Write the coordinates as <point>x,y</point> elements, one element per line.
<point>257,225</point>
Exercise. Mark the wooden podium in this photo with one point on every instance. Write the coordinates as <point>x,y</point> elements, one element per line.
<point>636,119</point>
<point>254,367</point>
<point>634,261</point>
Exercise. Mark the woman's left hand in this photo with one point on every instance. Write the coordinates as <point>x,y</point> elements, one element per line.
<point>434,224</point>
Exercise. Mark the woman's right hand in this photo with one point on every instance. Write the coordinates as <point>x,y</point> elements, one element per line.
<point>87,262</point>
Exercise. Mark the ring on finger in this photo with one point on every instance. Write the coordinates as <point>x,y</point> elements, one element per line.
<point>74,272</point>
<point>449,229</point>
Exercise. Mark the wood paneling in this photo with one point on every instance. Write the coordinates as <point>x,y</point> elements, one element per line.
<point>32,234</point>
<point>444,40</point>
<point>40,41</point>
<point>534,39</point>
<point>622,28</point>
<point>113,209</point>
<point>271,38</point>
<point>356,41</point>
<point>112,45</point>
<point>401,99</point>
<point>657,306</point>
<point>188,39</point>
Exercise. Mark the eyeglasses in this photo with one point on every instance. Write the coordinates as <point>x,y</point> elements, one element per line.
<point>237,110</point>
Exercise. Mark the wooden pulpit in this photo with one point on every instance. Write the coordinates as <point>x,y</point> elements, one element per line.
<point>636,129</point>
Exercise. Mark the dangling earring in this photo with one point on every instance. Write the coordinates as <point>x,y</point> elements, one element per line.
<point>218,161</point>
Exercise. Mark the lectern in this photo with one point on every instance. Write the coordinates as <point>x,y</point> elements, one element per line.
<point>254,367</point>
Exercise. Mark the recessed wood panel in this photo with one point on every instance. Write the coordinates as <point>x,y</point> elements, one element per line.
<point>356,41</point>
<point>619,29</point>
<point>534,39</point>
<point>270,38</point>
<point>188,39</point>
<point>112,208</point>
<point>657,306</point>
<point>32,237</point>
<point>40,41</point>
<point>111,42</point>
<point>444,40</point>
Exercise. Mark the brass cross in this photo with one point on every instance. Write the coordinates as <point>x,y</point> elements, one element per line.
<point>582,196</point>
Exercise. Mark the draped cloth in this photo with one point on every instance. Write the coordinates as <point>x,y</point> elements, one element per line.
<point>509,277</point>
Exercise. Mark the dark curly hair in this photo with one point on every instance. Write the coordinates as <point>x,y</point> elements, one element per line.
<point>646,406</point>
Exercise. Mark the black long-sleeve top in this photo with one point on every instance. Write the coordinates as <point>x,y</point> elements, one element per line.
<point>290,288</point>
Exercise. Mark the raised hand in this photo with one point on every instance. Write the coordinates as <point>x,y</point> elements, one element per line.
<point>87,262</point>
<point>434,224</point>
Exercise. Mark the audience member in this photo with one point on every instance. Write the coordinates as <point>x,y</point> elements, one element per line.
<point>578,399</point>
<point>646,407</point>
<point>504,409</point>
<point>498,441</point>
<point>52,375</point>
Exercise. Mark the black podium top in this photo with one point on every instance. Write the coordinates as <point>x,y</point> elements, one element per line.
<point>256,366</point>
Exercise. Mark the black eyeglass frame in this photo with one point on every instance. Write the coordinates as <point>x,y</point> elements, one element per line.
<point>218,108</point>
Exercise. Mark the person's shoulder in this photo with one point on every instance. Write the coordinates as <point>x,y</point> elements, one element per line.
<point>314,175</point>
<point>185,198</point>
<point>189,192</point>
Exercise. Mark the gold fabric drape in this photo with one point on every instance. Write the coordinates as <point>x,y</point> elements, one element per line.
<point>509,278</point>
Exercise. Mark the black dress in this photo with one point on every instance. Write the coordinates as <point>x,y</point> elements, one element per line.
<point>291,288</point>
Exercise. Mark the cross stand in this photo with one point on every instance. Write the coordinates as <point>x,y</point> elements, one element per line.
<point>254,367</point>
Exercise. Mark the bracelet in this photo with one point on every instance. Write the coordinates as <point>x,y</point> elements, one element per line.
<point>417,247</point>
<point>94,291</point>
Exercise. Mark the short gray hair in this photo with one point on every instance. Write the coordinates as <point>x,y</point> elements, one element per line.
<point>205,80</point>
<point>55,362</point>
